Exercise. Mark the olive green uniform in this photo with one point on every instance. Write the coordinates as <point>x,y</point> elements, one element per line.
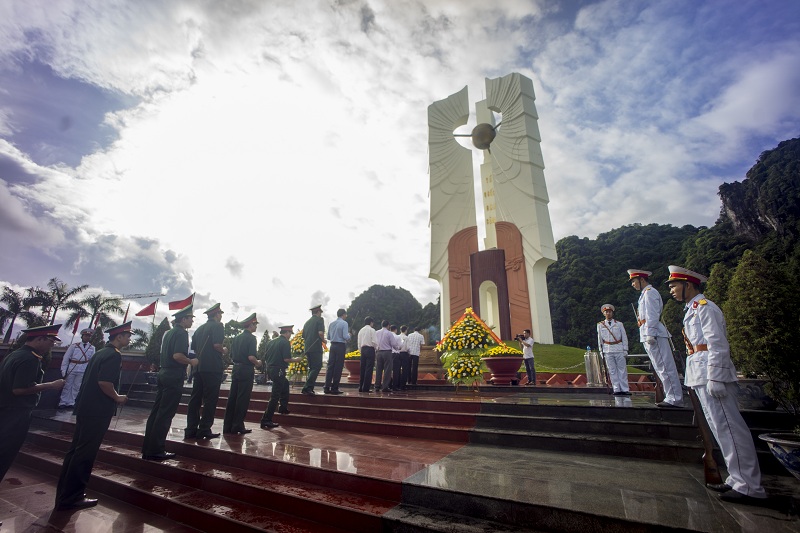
<point>243,346</point>
<point>313,344</point>
<point>20,370</point>
<point>170,389</point>
<point>94,410</point>
<point>278,351</point>
<point>207,379</point>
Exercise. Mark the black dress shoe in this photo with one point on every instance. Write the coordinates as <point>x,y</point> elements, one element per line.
<point>283,411</point>
<point>84,503</point>
<point>337,391</point>
<point>737,497</point>
<point>189,436</point>
<point>308,392</point>
<point>386,390</point>
<point>268,425</point>
<point>718,487</point>
<point>159,456</point>
<point>208,435</point>
<point>243,431</point>
<point>327,391</point>
<point>667,405</point>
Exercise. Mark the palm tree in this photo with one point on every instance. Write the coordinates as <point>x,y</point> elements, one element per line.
<point>17,306</point>
<point>97,309</point>
<point>142,338</point>
<point>59,296</point>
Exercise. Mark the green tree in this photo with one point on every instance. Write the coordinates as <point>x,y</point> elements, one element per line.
<point>58,295</point>
<point>718,280</point>
<point>382,302</point>
<point>17,305</point>
<point>98,309</point>
<point>232,328</point>
<point>761,327</point>
<point>153,350</point>
<point>142,338</point>
<point>261,352</point>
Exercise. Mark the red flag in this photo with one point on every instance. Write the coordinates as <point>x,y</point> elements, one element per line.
<point>150,310</point>
<point>97,320</point>
<point>180,304</point>
<point>75,327</point>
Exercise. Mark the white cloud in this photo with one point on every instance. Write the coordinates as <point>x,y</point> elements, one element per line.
<point>273,158</point>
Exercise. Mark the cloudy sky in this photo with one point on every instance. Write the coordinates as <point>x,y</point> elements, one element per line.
<point>271,155</point>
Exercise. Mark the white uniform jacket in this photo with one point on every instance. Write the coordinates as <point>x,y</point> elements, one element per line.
<point>704,327</point>
<point>79,352</point>
<point>611,336</point>
<point>650,306</point>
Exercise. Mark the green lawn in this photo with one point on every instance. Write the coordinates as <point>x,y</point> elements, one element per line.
<point>558,358</point>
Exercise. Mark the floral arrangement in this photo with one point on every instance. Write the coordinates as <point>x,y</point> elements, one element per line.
<point>297,344</point>
<point>463,346</point>
<point>468,333</point>
<point>298,369</point>
<point>355,354</point>
<point>464,371</point>
<point>503,350</point>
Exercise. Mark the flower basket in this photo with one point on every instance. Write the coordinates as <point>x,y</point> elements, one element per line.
<point>466,370</point>
<point>352,362</point>
<point>504,369</point>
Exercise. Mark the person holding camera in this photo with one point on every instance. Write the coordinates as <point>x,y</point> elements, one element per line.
<point>526,343</point>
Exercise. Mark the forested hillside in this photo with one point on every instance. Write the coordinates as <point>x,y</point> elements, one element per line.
<point>761,213</point>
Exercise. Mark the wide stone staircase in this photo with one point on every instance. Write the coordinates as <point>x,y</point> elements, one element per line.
<point>214,488</point>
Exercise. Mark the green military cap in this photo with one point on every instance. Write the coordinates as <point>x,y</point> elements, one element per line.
<point>287,329</point>
<point>213,310</point>
<point>43,331</point>
<point>183,313</point>
<point>116,330</point>
<point>315,308</point>
<point>247,321</point>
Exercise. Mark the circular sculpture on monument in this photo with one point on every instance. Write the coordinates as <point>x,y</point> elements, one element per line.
<point>483,135</point>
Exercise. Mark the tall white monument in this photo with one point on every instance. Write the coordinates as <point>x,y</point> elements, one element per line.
<point>505,282</point>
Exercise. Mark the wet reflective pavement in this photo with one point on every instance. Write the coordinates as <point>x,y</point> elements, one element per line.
<point>491,480</point>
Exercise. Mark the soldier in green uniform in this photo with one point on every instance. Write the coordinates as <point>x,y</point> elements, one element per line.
<point>279,355</point>
<point>207,344</point>
<point>20,387</point>
<point>314,338</point>
<point>174,358</point>
<point>95,405</point>
<point>245,360</point>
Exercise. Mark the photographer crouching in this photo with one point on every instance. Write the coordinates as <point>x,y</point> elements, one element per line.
<point>526,344</point>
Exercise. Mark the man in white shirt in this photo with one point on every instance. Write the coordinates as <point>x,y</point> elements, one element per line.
<point>527,356</point>
<point>388,343</point>
<point>414,344</point>
<point>655,337</point>
<point>404,361</point>
<point>73,366</point>
<point>712,375</point>
<point>613,342</point>
<point>367,344</point>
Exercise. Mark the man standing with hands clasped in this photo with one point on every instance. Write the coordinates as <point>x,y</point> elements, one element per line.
<point>279,355</point>
<point>244,353</point>
<point>655,337</point>
<point>613,343</point>
<point>338,334</point>
<point>207,344</point>
<point>96,405</point>
<point>73,365</point>
<point>314,338</point>
<point>710,372</point>
<point>21,385</point>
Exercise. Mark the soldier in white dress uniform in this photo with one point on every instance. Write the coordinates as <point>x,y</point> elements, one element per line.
<point>613,342</point>
<point>73,366</point>
<point>654,336</point>
<point>710,372</point>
